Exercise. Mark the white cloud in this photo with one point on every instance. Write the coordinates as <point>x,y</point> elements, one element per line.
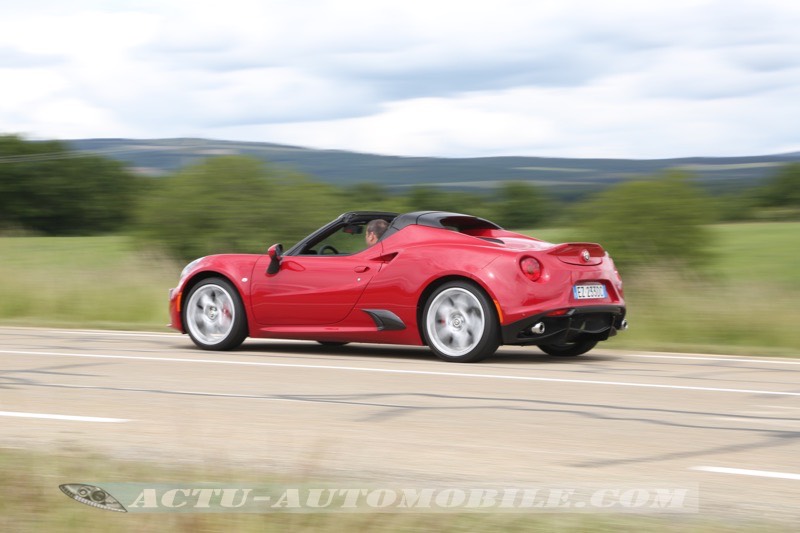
<point>571,78</point>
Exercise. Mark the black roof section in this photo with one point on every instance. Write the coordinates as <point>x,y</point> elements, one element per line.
<point>439,219</point>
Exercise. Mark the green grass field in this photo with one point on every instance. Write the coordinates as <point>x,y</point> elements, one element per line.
<point>744,302</point>
<point>86,282</point>
<point>768,252</point>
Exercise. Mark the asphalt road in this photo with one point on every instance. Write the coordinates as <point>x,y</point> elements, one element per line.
<point>727,426</point>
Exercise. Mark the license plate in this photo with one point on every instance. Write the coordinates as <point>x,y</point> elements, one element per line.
<point>589,291</point>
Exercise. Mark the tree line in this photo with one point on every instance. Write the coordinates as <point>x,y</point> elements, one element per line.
<point>47,189</point>
<point>237,203</point>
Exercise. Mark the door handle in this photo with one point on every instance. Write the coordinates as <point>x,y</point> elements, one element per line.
<point>361,269</point>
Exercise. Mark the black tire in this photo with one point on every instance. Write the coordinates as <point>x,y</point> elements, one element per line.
<point>214,316</point>
<point>569,349</point>
<point>459,323</point>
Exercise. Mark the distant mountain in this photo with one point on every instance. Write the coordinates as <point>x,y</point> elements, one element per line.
<point>563,176</point>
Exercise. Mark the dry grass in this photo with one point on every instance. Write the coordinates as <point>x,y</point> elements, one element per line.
<point>100,282</point>
<point>30,500</point>
<point>670,312</point>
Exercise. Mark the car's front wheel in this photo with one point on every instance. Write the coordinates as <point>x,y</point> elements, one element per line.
<point>568,349</point>
<point>460,323</point>
<point>214,315</point>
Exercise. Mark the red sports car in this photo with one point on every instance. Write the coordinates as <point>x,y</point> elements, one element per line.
<point>457,283</point>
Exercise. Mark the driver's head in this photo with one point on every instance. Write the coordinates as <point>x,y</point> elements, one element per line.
<point>375,228</point>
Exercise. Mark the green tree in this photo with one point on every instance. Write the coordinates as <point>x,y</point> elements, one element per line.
<point>371,197</point>
<point>651,222</point>
<point>424,198</point>
<point>520,205</point>
<point>47,188</point>
<point>366,193</point>
<point>300,205</point>
<point>233,204</point>
<point>737,206</point>
<point>783,189</point>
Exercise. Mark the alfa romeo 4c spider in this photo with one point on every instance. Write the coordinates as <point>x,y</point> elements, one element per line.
<point>459,284</point>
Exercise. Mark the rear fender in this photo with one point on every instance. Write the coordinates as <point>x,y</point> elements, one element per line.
<point>435,284</point>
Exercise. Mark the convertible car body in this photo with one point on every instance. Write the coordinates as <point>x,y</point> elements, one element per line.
<point>459,284</point>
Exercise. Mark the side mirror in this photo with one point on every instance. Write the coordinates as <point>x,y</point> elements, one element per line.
<point>275,252</point>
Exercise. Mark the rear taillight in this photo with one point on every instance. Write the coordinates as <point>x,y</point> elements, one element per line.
<point>531,268</point>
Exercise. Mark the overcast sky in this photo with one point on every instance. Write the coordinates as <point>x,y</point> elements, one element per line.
<point>572,78</point>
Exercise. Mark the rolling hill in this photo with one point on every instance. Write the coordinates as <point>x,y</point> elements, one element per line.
<point>568,177</point>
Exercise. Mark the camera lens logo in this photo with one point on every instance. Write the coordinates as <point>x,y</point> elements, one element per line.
<point>93,496</point>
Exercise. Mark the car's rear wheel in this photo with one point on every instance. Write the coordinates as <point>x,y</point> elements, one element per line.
<point>214,315</point>
<point>568,349</point>
<point>460,323</point>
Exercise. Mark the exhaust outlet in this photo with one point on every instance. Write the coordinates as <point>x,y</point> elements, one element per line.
<point>624,325</point>
<point>538,328</point>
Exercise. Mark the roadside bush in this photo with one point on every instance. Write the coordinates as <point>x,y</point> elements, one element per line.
<point>520,205</point>
<point>425,198</point>
<point>783,189</point>
<point>780,196</point>
<point>232,204</point>
<point>371,197</point>
<point>658,222</point>
<point>47,189</point>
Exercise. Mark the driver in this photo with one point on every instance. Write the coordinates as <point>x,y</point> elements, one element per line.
<point>375,229</point>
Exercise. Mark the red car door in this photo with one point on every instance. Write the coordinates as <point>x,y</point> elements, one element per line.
<point>310,289</point>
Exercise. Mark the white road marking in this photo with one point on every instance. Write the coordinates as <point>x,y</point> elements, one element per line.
<point>744,472</point>
<point>108,333</point>
<point>399,371</point>
<point>714,358</point>
<point>649,355</point>
<point>62,417</point>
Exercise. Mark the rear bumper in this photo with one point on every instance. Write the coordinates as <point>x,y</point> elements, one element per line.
<point>598,322</point>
